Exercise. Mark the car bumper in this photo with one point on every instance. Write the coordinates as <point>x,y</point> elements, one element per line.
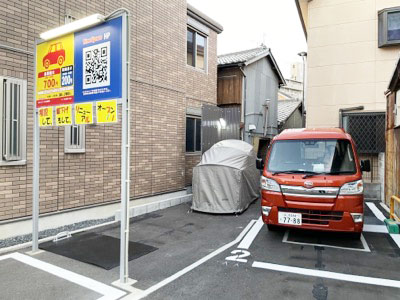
<point>314,214</point>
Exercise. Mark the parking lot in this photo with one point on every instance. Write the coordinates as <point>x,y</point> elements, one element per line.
<point>203,256</point>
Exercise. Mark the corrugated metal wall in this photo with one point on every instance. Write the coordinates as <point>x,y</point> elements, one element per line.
<point>262,85</point>
<point>219,123</point>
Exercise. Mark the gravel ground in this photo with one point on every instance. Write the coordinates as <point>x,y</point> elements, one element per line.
<point>51,232</point>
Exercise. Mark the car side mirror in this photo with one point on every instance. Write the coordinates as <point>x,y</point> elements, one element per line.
<point>366,165</point>
<point>259,163</point>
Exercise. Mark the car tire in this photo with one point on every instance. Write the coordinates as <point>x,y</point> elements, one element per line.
<point>273,227</point>
<point>60,60</point>
<point>47,63</point>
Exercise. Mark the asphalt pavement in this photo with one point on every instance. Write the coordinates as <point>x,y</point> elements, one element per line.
<point>204,256</point>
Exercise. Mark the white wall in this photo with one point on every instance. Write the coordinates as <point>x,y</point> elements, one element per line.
<point>345,66</point>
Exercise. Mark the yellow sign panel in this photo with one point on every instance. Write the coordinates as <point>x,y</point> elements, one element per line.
<point>106,111</point>
<point>55,72</point>
<point>46,116</point>
<point>84,113</point>
<point>64,115</point>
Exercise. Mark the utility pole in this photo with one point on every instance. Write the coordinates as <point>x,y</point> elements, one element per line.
<point>303,56</point>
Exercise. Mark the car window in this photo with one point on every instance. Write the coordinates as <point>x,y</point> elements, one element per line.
<point>317,155</point>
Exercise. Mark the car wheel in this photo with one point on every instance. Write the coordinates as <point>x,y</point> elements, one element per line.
<point>46,63</point>
<point>273,227</point>
<point>60,60</point>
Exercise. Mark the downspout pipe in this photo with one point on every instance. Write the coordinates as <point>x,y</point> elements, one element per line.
<point>244,98</point>
<point>342,110</point>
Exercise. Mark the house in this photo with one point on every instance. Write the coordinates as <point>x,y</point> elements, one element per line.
<point>173,73</point>
<point>294,85</point>
<point>352,48</point>
<point>392,158</point>
<point>289,114</point>
<point>250,80</point>
<point>292,90</point>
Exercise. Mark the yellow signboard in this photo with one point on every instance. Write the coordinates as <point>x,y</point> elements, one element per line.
<point>45,116</point>
<point>106,111</point>
<point>55,72</point>
<point>84,113</point>
<point>64,115</point>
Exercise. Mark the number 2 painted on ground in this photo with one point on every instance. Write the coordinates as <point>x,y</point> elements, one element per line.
<point>239,256</point>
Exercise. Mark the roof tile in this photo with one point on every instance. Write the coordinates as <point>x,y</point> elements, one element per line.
<point>286,108</point>
<point>241,56</point>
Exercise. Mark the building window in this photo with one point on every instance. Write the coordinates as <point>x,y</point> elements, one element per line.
<point>193,134</point>
<point>13,121</point>
<point>367,130</point>
<point>196,49</point>
<point>74,139</point>
<point>389,26</point>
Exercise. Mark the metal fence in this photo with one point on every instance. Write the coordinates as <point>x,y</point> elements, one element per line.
<point>367,131</point>
<point>219,123</point>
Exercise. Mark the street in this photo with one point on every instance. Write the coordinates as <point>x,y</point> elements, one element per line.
<point>203,256</point>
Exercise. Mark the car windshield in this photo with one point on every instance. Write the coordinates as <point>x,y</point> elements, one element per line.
<point>314,156</point>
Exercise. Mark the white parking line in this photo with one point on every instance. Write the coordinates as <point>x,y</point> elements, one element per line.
<point>375,228</point>
<point>251,235</point>
<point>384,206</point>
<point>396,239</point>
<point>378,214</point>
<point>362,239</point>
<point>192,266</point>
<point>108,292</point>
<point>327,274</point>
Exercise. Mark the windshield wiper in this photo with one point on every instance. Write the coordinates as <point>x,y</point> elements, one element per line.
<point>340,172</point>
<point>290,172</point>
<point>306,173</point>
<point>309,174</point>
<point>327,173</point>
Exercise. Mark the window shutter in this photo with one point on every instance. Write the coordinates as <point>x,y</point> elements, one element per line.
<point>11,120</point>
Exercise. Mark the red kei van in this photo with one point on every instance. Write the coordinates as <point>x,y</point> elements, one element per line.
<point>312,179</point>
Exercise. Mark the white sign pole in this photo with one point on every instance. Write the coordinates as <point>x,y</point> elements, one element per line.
<point>36,160</point>
<point>125,153</point>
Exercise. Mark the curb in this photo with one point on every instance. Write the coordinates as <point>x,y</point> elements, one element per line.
<point>154,206</point>
<point>133,212</point>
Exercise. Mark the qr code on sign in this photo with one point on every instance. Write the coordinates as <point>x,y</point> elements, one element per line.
<point>96,62</point>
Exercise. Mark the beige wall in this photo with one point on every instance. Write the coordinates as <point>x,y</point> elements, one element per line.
<point>345,66</point>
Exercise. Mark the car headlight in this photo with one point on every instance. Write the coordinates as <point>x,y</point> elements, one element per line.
<point>352,188</point>
<point>269,184</point>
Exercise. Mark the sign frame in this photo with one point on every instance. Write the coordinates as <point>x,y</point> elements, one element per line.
<point>125,145</point>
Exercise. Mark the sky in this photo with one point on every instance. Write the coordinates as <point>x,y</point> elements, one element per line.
<point>248,23</point>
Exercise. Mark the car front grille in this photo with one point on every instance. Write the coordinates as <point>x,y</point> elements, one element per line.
<point>310,216</point>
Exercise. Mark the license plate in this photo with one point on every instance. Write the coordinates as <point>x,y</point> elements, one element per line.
<point>289,218</point>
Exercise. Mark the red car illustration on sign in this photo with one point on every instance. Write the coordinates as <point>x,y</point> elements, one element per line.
<point>56,55</point>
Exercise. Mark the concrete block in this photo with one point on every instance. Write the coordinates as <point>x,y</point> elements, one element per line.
<point>392,226</point>
<point>176,201</point>
<point>372,191</point>
<point>187,198</point>
<point>139,210</point>
<point>165,204</point>
<point>153,207</point>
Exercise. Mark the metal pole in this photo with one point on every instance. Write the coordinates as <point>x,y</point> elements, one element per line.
<point>36,161</point>
<point>125,153</point>
<point>304,83</point>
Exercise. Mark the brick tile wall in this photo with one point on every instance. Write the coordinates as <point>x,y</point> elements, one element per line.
<point>162,87</point>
